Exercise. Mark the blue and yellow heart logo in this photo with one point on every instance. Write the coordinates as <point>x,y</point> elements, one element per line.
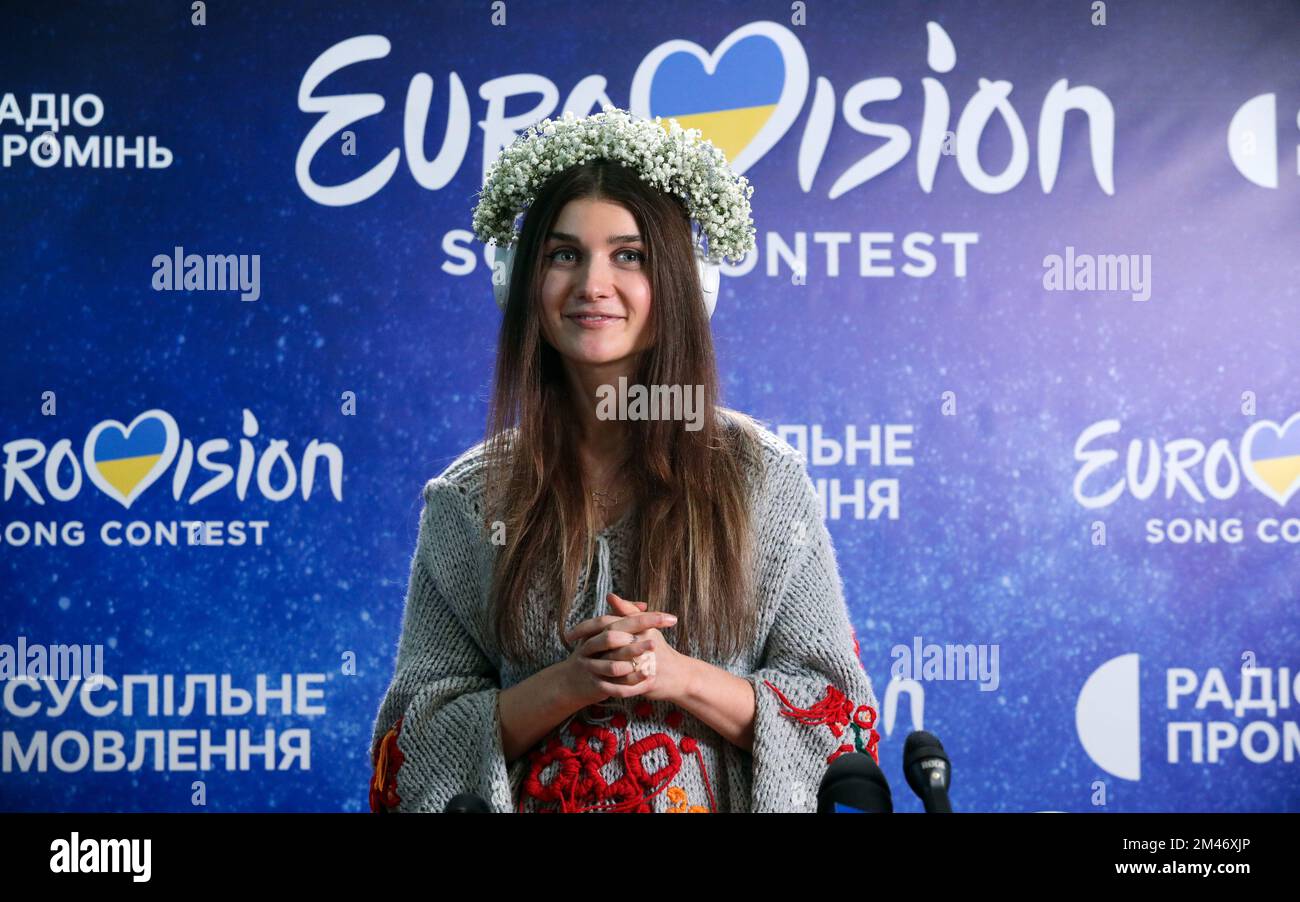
<point>1270,457</point>
<point>122,461</point>
<point>744,96</point>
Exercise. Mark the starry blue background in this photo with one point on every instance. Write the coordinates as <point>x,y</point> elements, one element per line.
<point>991,546</point>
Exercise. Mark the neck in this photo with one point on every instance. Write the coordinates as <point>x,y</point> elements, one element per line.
<point>600,442</point>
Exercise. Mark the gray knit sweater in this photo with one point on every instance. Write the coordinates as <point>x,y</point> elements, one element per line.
<point>438,733</point>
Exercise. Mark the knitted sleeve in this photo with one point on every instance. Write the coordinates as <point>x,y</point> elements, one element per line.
<point>438,732</point>
<point>814,700</point>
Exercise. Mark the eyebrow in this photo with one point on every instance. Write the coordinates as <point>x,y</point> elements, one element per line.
<point>613,239</point>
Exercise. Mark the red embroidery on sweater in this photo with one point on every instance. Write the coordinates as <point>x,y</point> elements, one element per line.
<point>578,785</point>
<point>864,718</point>
<point>836,711</point>
<point>642,747</point>
<point>593,761</point>
<point>553,791</point>
<point>839,751</point>
<point>871,746</point>
<point>691,747</point>
<point>388,758</point>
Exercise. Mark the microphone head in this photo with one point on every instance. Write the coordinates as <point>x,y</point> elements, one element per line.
<point>925,763</point>
<point>854,784</point>
<point>467,803</point>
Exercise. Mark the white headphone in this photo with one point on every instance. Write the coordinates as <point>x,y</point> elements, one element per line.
<point>710,276</point>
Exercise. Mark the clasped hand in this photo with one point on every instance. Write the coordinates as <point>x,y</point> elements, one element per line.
<point>624,654</point>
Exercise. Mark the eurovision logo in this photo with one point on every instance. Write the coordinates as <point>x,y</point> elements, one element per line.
<point>1267,457</point>
<point>744,95</point>
<point>123,460</point>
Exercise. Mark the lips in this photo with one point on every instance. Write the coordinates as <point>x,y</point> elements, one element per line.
<point>593,320</point>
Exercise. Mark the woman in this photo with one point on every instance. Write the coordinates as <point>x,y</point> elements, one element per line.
<point>710,664</point>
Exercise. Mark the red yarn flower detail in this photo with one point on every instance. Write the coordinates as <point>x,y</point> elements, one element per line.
<point>592,761</point>
<point>691,747</point>
<point>836,711</point>
<point>577,784</point>
<point>388,758</point>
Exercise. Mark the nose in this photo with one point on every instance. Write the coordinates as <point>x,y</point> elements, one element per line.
<point>595,279</point>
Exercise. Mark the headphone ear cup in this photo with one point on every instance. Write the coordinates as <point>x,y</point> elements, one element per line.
<point>502,267</point>
<point>710,279</point>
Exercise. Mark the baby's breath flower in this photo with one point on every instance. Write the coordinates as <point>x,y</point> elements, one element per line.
<point>677,162</point>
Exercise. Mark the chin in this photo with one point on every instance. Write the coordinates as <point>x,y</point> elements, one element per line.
<point>597,358</point>
<point>597,353</point>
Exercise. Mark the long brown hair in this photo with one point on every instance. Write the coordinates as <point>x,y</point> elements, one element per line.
<point>695,556</point>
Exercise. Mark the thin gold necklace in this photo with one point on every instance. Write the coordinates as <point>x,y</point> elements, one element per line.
<point>607,500</point>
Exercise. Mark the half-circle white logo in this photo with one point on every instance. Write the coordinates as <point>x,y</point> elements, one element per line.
<point>1106,718</point>
<point>1252,140</point>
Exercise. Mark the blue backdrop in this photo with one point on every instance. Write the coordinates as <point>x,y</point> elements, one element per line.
<point>1047,252</point>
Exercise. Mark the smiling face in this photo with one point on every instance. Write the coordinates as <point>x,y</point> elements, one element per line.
<point>595,284</point>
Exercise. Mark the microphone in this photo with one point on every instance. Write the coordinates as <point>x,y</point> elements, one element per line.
<point>467,803</point>
<point>928,771</point>
<point>854,784</point>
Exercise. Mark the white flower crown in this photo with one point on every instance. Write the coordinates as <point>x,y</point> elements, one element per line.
<point>677,162</point>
